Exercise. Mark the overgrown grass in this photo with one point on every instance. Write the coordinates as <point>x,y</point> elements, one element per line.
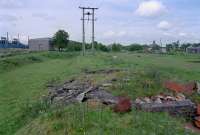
<point>80,119</point>
<point>10,63</point>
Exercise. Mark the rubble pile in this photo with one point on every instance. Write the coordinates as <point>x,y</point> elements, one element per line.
<point>83,90</point>
<point>79,91</point>
<point>175,105</point>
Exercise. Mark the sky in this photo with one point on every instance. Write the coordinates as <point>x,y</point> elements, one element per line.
<point>120,21</point>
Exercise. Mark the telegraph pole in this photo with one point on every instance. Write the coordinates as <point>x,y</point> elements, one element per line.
<point>93,30</point>
<point>83,30</point>
<point>83,27</point>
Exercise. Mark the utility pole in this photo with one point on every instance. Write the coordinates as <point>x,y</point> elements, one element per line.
<point>83,27</point>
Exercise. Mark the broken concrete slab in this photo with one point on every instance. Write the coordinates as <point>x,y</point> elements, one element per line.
<point>79,91</point>
<point>103,96</point>
<point>180,108</point>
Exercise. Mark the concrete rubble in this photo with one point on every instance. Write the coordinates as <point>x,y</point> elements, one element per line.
<point>175,105</point>
<point>79,91</point>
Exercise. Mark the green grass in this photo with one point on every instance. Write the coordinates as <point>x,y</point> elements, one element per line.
<point>24,78</point>
<point>78,119</point>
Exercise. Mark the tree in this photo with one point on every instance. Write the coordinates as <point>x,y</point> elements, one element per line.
<point>60,39</point>
<point>115,47</point>
<point>135,47</point>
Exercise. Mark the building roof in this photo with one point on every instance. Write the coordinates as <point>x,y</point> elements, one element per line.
<point>40,39</point>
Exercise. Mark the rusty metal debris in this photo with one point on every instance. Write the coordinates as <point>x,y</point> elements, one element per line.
<point>123,105</point>
<point>188,88</point>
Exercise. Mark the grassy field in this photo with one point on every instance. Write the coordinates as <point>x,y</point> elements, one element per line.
<point>24,78</point>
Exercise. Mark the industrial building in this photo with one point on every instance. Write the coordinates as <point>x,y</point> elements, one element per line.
<point>15,43</point>
<point>40,44</point>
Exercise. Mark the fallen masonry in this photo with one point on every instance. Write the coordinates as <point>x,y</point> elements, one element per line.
<point>178,105</point>
<point>79,91</point>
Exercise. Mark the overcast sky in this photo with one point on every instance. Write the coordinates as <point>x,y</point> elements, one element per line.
<point>124,21</point>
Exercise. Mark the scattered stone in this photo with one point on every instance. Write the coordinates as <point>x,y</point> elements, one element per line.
<point>139,101</point>
<point>170,98</point>
<point>158,101</point>
<point>147,100</point>
<point>180,97</point>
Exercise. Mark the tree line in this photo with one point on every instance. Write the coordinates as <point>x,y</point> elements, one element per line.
<point>61,42</point>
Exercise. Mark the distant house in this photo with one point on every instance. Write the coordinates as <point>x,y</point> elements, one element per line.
<point>192,49</point>
<point>154,47</point>
<point>40,44</point>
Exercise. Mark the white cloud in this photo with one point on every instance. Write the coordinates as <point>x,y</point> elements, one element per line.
<point>109,34</point>
<point>182,34</point>
<point>167,34</point>
<point>151,8</point>
<point>115,34</point>
<point>44,16</point>
<point>164,25</point>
